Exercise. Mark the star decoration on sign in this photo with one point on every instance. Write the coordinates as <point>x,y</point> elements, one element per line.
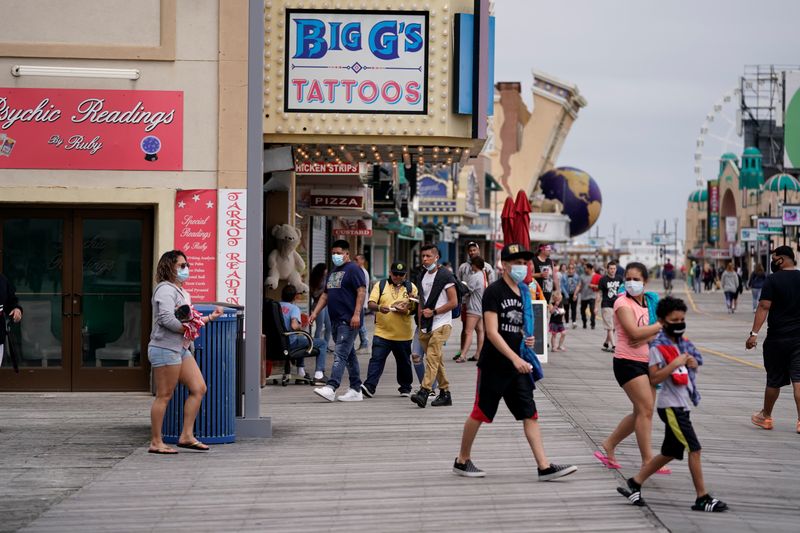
<point>196,198</point>
<point>181,204</point>
<point>209,204</point>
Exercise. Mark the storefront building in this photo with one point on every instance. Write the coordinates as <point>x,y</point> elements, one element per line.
<point>372,119</point>
<point>122,133</point>
<point>739,216</point>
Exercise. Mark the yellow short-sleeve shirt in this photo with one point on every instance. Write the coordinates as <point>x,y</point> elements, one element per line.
<point>393,326</point>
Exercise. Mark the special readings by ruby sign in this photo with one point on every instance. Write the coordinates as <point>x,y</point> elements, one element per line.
<point>91,129</point>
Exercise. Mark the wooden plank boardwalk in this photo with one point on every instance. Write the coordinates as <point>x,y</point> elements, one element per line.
<point>78,462</point>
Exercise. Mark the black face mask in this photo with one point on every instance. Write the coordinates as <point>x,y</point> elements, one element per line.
<point>774,266</point>
<point>677,329</point>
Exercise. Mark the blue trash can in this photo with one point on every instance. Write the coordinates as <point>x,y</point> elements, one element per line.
<point>215,353</point>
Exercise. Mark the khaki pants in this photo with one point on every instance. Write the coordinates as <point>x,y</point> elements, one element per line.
<point>433,345</point>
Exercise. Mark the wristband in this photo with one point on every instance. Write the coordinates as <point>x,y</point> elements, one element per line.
<point>753,334</point>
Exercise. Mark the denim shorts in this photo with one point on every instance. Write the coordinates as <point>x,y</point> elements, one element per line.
<point>164,357</point>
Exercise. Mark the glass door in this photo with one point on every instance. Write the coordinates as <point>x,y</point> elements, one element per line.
<point>33,253</point>
<point>112,286</point>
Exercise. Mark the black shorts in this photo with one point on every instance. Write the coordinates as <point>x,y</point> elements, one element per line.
<point>515,388</point>
<point>627,369</point>
<point>678,433</point>
<point>782,361</point>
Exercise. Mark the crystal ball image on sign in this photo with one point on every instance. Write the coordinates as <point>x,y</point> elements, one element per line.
<point>151,145</point>
<point>577,192</point>
<point>362,61</point>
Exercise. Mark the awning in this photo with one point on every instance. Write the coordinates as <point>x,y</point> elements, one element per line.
<point>418,235</point>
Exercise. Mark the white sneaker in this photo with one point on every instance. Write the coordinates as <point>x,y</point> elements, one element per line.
<point>350,396</point>
<point>326,392</point>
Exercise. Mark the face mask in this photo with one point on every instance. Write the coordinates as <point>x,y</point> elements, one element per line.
<point>677,329</point>
<point>430,267</point>
<point>337,259</point>
<point>774,266</point>
<point>634,288</point>
<point>518,272</point>
<point>183,274</point>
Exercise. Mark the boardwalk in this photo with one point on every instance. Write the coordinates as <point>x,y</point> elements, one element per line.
<point>78,462</point>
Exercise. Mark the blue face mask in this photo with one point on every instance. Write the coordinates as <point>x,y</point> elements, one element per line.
<point>182,274</point>
<point>518,272</point>
<point>430,267</point>
<point>337,259</point>
<point>634,288</point>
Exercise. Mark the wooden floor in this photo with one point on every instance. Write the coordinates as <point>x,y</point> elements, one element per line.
<point>78,462</point>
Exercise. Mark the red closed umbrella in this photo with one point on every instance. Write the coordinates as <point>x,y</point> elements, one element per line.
<point>507,221</point>
<point>522,220</point>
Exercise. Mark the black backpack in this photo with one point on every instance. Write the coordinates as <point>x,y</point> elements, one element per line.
<point>443,277</point>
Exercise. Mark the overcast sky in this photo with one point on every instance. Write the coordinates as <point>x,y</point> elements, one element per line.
<point>651,71</point>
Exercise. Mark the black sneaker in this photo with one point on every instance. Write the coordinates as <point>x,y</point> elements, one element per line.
<point>605,347</point>
<point>708,504</point>
<point>321,382</point>
<point>555,471</point>
<point>420,397</point>
<point>633,493</point>
<point>366,392</point>
<point>467,469</point>
<point>444,399</point>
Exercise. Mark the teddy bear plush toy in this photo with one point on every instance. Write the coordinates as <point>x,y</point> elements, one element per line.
<point>284,262</point>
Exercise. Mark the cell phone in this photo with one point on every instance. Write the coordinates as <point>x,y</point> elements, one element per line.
<point>415,300</point>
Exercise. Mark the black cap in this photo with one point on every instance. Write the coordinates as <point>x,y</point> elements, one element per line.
<point>785,251</point>
<point>399,268</point>
<point>515,251</point>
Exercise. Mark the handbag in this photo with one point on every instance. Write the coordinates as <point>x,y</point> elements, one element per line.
<point>10,347</point>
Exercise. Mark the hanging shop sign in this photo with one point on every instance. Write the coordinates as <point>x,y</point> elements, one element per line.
<point>196,236</point>
<point>713,211</point>
<point>731,225</point>
<point>791,215</point>
<point>231,245</point>
<point>361,227</point>
<point>91,129</point>
<point>718,253</point>
<point>330,202</point>
<point>356,61</point>
<point>748,235</point>
<point>770,226</point>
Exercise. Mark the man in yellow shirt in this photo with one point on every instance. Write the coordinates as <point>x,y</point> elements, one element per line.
<point>393,302</point>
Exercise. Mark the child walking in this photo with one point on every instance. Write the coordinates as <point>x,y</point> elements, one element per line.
<point>670,355</point>
<point>558,330</point>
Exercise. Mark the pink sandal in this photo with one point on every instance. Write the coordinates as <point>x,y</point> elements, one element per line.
<point>606,461</point>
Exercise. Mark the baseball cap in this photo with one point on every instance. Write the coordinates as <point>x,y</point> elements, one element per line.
<point>399,268</point>
<point>515,251</point>
<point>785,251</point>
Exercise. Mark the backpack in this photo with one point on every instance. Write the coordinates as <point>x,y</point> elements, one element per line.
<point>382,285</point>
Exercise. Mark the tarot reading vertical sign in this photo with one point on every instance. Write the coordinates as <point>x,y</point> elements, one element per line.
<point>231,245</point>
<point>196,236</point>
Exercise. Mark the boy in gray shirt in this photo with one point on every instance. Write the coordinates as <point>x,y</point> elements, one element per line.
<point>673,363</point>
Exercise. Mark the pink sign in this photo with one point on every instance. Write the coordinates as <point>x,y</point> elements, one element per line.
<point>231,245</point>
<point>196,236</point>
<point>91,129</point>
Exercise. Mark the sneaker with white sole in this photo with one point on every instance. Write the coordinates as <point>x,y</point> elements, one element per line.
<point>555,471</point>
<point>467,469</point>
<point>326,392</point>
<point>366,392</point>
<point>351,395</point>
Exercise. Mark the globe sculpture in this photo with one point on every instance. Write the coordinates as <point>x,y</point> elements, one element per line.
<point>577,192</point>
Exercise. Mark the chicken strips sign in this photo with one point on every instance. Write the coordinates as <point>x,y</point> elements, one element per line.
<point>356,61</point>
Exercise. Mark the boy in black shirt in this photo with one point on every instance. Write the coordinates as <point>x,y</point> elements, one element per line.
<point>502,373</point>
<point>609,289</point>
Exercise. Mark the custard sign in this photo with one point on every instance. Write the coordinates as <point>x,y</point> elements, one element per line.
<point>356,61</point>
<point>91,129</point>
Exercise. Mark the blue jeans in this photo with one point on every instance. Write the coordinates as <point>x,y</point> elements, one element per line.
<point>320,345</point>
<point>698,285</point>
<point>402,355</point>
<point>323,323</point>
<point>362,331</point>
<point>344,355</point>
<point>756,297</point>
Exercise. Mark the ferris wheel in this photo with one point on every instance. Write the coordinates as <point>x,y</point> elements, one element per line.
<point>721,132</point>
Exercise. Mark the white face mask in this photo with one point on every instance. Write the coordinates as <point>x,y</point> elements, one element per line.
<point>634,288</point>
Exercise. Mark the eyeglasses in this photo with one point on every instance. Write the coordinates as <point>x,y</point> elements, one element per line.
<point>183,265</point>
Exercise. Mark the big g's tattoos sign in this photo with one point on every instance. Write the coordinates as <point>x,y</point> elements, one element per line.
<point>356,61</point>
<point>91,129</point>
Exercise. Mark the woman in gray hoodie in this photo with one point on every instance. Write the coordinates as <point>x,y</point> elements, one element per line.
<point>170,353</point>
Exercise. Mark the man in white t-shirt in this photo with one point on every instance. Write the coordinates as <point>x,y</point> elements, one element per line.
<point>435,325</point>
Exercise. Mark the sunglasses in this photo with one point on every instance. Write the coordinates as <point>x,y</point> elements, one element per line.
<point>183,265</point>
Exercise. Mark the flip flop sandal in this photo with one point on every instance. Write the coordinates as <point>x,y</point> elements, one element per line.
<point>163,451</point>
<point>460,360</point>
<point>473,358</point>
<point>606,461</point>
<point>664,471</point>
<point>196,445</point>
